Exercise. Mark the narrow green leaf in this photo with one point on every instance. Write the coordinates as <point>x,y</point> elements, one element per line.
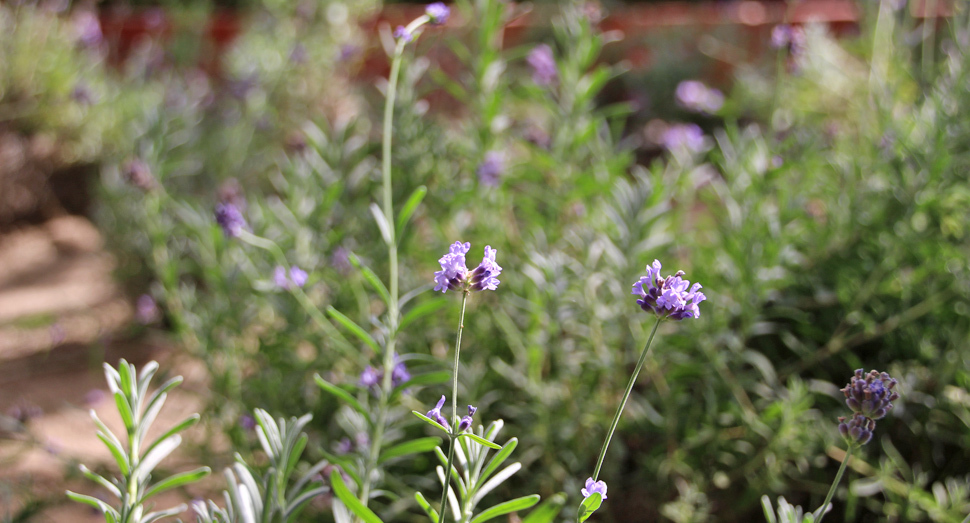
<point>105,509</point>
<point>119,454</point>
<point>125,411</point>
<point>186,423</point>
<point>371,278</point>
<point>348,498</point>
<point>547,511</point>
<point>480,440</point>
<point>382,222</point>
<point>499,458</point>
<point>411,205</point>
<point>505,508</point>
<point>341,394</point>
<point>295,454</point>
<point>430,421</point>
<point>175,481</point>
<point>589,505</point>
<point>410,447</point>
<point>421,310</point>
<point>354,329</point>
<point>431,512</point>
<point>294,507</point>
<point>100,480</point>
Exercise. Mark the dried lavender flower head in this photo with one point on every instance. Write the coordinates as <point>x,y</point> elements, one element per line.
<point>871,395</point>
<point>668,297</point>
<point>438,13</point>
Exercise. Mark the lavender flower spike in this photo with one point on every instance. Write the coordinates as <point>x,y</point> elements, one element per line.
<point>858,430</point>
<point>484,276</point>
<point>435,414</point>
<point>543,63</point>
<point>453,269</point>
<point>594,486</point>
<point>438,13</point>
<point>298,276</point>
<point>668,297</point>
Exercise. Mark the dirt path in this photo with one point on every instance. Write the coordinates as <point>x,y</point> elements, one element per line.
<point>61,316</point>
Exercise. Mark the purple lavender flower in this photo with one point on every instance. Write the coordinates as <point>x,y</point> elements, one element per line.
<point>83,94</point>
<point>484,276</point>
<point>400,374</point>
<point>684,137</point>
<point>544,71</point>
<point>94,397</point>
<point>491,168</point>
<point>438,13</point>
<point>466,421</point>
<point>230,219</point>
<point>146,310</point>
<point>370,377</point>
<point>435,414</point>
<point>871,395</point>
<point>247,422</point>
<point>781,36</point>
<point>858,430</point>
<point>138,174</point>
<point>344,446</point>
<point>594,486</point>
<point>696,96</point>
<point>668,297</point>
<point>453,268</point>
<point>279,277</point>
<point>87,28</point>
<point>298,276</point>
<point>402,33</point>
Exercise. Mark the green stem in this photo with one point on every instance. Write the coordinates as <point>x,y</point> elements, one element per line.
<point>820,512</point>
<point>454,408</point>
<point>626,396</point>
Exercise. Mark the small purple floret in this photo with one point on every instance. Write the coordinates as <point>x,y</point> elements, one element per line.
<point>400,374</point>
<point>696,96</point>
<point>230,219</point>
<point>491,169</point>
<point>594,486</point>
<point>466,421</point>
<point>684,137</point>
<point>668,297</point>
<point>543,63</point>
<point>146,310</point>
<point>484,276</point>
<point>858,430</point>
<point>438,13</point>
<point>402,33</point>
<point>435,414</point>
<point>453,268</point>
<point>369,378</point>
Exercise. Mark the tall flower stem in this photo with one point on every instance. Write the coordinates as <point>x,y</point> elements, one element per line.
<point>626,396</point>
<point>454,409</point>
<point>820,512</point>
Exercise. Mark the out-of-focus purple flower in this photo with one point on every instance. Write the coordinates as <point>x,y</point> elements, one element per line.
<point>400,374</point>
<point>146,310</point>
<point>241,88</point>
<point>781,36</point>
<point>83,94</point>
<point>484,276</point>
<point>230,219</point>
<point>668,297</point>
<point>344,446</point>
<point>137,173</point>
<point>57,334</point>
<point>298,276</point>
<point>858,430</point>
<point>683,137</point>
<point>537,136</point>
<point>279,277</point>
<point>544,71</point>
<point>453,268</point>
<point>25,412</point>
<point>362,440</point>
<point>435,414</point>
<point>53,446</point>
<point>777,161</point>
<point>349,51</point>
<point>87,28</point>
<point>871,394</point>
<point>402,33</point>
<point>696,96</point>
<point>94,397</point>
<point>594,486</point>
<point>247,422</point>
<point>466,421</point>
<point>438,13</point>
<point>370,377</point>
<point>491,168</point>
<point>340,259</point>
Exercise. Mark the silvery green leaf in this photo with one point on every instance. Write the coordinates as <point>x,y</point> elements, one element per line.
<point>497,480</point>
<point>100,480</point>
<point>155,516</point>
<point>507,507</point>
<point>452,499</point>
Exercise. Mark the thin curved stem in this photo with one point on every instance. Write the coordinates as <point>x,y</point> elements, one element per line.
<point>454,407</point>
<point>820,512</point>
<point>626,396</point>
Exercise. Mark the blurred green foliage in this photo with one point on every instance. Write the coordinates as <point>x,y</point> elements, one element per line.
<point>826,221</point>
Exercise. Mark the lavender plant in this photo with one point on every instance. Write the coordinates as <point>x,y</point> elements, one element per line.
<point>137,457</point>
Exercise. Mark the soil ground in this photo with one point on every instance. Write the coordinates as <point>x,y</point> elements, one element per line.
<point>61,316</point>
